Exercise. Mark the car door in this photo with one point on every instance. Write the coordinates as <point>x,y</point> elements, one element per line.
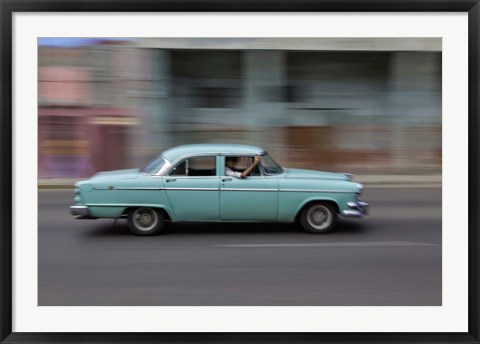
<point>254,198</point>
<point>192,187</point>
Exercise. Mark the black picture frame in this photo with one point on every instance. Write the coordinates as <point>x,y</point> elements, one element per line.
<point>9,7</point>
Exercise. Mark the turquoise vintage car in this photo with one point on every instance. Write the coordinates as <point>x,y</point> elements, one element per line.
<point>192,183</point>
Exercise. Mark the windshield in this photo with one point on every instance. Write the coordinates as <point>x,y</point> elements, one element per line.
<point>153,166</point>
<point>270,166</point>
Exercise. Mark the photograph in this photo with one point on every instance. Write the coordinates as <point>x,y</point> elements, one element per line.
<point>240,171</point>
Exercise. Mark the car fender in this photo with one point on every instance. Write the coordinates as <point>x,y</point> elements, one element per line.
<point>118,210</point>
<point>165,208</point>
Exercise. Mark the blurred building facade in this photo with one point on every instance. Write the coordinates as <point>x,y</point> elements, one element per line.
<point>83,122</point>
<point>356,105</point>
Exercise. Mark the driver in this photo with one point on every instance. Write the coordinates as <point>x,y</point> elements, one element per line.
<point>230,167</point>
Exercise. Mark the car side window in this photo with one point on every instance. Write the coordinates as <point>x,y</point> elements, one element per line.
<point>195,167</point>
<point>180,169</point>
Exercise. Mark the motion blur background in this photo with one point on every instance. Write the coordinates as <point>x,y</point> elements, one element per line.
<point>358,105</point>
<point>369,106</point>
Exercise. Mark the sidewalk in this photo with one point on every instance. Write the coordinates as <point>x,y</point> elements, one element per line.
<point>370,181</point>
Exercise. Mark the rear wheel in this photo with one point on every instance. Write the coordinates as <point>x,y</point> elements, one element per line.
<point>145,221</point>
<point>318,217</point>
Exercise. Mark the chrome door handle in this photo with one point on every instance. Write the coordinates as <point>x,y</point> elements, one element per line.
<point>226,179</point>
<point>170,180</point>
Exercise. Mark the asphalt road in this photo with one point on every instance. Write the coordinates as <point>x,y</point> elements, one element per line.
<point>392,257</point>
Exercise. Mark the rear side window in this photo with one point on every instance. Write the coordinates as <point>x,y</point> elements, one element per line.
<point>195,167</point>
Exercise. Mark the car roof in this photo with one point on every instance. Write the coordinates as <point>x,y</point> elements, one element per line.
<point>219,148</point>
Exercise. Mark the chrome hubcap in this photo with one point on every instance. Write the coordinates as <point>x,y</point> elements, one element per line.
<point>319,217</point>
<point>145,219</point>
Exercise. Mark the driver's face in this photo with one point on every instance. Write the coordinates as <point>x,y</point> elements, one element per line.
<point>231,162</point>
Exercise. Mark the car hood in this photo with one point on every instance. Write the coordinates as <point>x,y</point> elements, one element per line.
<point>310,174</point>
<point>124,174</point>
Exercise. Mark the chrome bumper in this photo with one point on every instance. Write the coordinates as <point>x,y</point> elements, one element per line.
<point>79,210</point>
<point>357,209</point>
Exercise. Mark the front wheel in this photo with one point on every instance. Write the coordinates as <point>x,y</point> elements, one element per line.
<point>145,221</point>
<point>318,218</point>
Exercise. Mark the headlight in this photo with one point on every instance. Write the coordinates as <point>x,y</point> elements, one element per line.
<point>77,199</point>
<point>359,187</point>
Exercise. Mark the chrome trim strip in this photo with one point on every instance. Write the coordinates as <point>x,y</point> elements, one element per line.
<point>138,188</point>
<point>123,205</point>
<point>137,204</point>
<point>127,188</point>
<point>243,154</point>
<point>192,177</point>
<point>248,189</point>
<point>249,177</point>
<point>225,189</point>
<point>358,204</point>
<point>81,210</point>
<point>353,213</point>
<point>197,189</point>
<point>314,190</point>
<point>359,209</point>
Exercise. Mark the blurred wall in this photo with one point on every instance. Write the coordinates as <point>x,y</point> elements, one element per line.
<point>364,109</point>
<point>84,117</point>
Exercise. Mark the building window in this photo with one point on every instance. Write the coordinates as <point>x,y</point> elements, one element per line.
<point>207,78</point>
<point>216,97</point>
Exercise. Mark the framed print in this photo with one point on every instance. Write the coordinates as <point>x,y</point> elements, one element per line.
<point>239,172</point>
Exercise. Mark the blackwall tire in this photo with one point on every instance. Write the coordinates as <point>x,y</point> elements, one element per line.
<point>318,217</point>
<point>145,221</point>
